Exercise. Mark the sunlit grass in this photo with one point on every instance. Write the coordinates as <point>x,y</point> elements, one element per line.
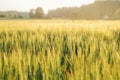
<point>59,50</point>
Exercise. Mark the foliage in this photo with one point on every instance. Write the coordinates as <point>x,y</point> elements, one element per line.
<point>38,13</point>
<point>31,13</point>
<point>93,11</point>
<point>116,14</point>
<point>10,14</point>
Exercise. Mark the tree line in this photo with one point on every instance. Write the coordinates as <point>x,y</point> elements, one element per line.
<point>96,10</point>
<point>108,9</point>
<point>10,14</point>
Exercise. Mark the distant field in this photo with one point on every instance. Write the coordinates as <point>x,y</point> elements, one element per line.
<point>59,50</point>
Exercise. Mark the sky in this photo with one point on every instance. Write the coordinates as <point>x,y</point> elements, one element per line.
<point>26,5</point>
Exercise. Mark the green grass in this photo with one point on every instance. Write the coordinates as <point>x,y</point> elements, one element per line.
<point>59,50</point>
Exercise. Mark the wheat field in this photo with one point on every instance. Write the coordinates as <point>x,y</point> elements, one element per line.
<point>59,50</point>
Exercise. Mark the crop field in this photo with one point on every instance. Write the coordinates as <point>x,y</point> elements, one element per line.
<point>59,50</point>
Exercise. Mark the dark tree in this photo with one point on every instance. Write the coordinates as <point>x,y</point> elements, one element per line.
<point>39,13</point>
<point>32,13</point>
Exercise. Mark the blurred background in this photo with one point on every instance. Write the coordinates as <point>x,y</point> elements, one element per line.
<point>53,9</point>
